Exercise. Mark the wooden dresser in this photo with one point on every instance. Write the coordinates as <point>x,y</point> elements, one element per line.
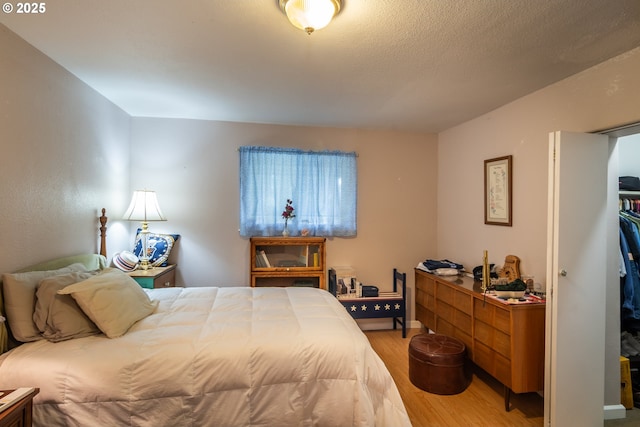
<point>506,340</point>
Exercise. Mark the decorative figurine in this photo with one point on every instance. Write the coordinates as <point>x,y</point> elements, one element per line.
<point>511,268</point>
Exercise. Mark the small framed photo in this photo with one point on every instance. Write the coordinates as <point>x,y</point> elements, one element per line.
<point>498,191</point>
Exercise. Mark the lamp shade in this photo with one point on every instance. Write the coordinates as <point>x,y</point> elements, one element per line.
<point>144,207</point>
<point>310,15</point>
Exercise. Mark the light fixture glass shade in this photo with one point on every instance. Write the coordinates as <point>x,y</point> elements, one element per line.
<point>144,207</point>
<point>310,15</point>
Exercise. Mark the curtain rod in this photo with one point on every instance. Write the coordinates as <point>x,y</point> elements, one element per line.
<point>303,151</point>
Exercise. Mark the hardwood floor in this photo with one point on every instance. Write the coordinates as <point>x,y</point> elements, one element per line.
<point>480,405</point>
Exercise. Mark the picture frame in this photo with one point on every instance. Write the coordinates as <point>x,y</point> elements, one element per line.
<point>498,191</point>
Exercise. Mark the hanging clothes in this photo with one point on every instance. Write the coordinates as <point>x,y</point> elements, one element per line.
<point>630,282</point>
<point>630,249</point>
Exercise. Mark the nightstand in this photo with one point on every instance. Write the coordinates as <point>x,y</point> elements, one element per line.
<point>19,414</point>
<point>156,277</point>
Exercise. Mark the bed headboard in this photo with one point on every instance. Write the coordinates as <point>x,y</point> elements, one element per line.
<point>90,261</point>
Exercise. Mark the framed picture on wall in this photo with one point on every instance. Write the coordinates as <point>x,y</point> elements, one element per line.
<point>498,191</point>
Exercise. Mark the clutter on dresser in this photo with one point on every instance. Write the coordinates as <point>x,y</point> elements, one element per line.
<point>369,291</point>
<point>441,267</point>
<point>485,271</point>
<point>478,272</point>
<point>505,283</point>
<point>514,289</point>
<point>345,281</point>
<point>511,268</point>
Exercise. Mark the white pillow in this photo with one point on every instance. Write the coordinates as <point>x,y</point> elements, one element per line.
<point>112,300</point>
<point>19,291</point>
<point>58,317</point>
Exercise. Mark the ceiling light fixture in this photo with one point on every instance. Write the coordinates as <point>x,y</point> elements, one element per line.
<point>310,15</point>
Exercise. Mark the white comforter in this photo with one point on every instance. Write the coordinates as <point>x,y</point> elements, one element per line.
<point>215,357</point>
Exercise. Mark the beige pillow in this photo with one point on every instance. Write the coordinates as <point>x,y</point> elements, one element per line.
<point>20,299</point>
<point>113,300</point>
<point>58,317</point>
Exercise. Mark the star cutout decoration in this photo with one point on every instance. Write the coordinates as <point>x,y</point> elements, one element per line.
<point>377,307</point>
<point>387,307</point>
<point>354,308</point>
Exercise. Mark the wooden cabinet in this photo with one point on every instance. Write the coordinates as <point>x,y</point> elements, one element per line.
<point>20,413</point>
<point>156,277</point>
<point>506,340</point>
<point>288,261</point>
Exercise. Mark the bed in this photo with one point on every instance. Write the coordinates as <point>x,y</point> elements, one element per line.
<point>210,356</point>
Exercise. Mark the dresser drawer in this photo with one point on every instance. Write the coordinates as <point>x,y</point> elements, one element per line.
<point>425,284</point>
<point>157,277</point>
<point>492,362</point>
<point>463,302</point>
<point>502,343</point>
<point>424,298</point>
<point>445,293</point>
<point>483,311</point>
<point>502,319</point>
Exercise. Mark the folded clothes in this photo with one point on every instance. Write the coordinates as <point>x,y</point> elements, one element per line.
<point>432,264</point>
<point>446,271</point>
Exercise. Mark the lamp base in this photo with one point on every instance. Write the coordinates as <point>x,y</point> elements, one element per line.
<point>144,265</point>
<point>144,259</point>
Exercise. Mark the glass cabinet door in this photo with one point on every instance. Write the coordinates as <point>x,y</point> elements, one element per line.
<point>302,256</point>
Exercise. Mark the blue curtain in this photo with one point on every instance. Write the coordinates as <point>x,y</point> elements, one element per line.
<point>321,184</point>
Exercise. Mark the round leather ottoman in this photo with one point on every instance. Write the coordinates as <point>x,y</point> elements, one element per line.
<point>437,364</point>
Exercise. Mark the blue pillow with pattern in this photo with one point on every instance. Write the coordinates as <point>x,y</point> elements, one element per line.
<point>158,247</point>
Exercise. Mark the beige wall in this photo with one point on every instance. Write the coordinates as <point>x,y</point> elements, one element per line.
<point>602,97</point>
<point>65,155</point>
<point>193,166</point>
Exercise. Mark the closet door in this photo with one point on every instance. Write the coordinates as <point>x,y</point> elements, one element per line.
<point>576,279</point>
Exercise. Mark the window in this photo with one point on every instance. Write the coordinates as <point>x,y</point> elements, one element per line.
<point>321,184</point>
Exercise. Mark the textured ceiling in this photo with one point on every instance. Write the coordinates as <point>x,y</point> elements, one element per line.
<point>415,65</point>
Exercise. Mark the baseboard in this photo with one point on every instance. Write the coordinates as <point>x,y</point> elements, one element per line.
<point>614,412</point>
<point>384,324</point>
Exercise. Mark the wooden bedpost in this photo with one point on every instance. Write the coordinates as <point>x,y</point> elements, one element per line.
<point>103,233</point>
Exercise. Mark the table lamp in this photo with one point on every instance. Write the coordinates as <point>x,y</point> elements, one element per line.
<point>144,208</point>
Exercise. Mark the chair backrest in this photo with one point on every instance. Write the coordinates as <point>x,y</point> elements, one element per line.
<point>399,280</point>
<point>333,284</point>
